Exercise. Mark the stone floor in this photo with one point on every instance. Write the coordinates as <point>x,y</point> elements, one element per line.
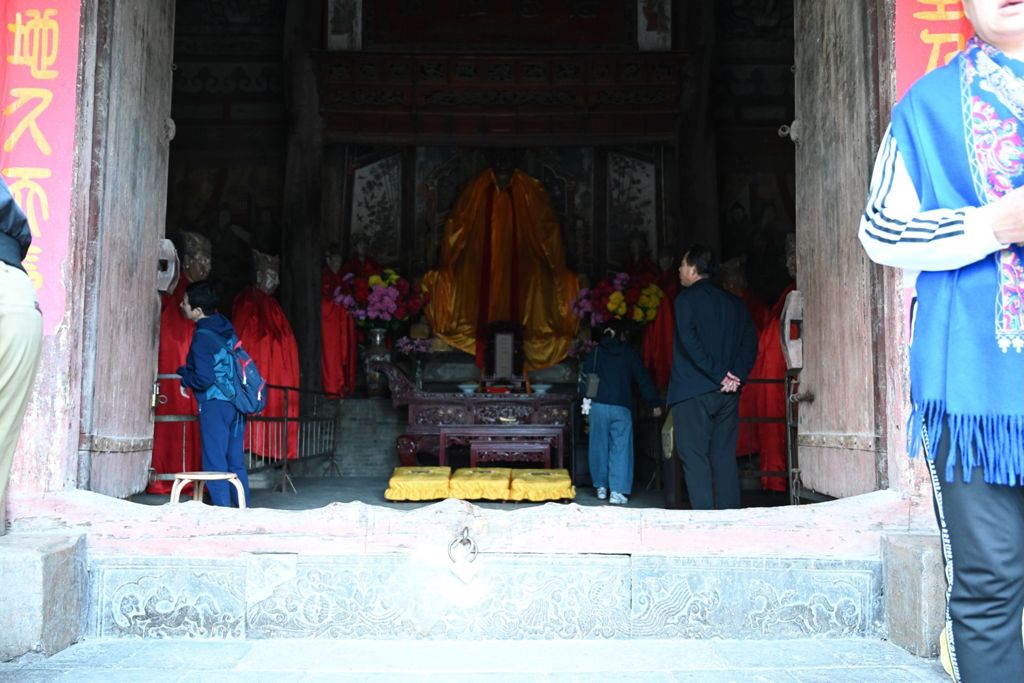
<point>312,493</point>
<point>281,661</point>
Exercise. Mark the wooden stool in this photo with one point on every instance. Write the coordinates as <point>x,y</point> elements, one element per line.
<point>199,479</point>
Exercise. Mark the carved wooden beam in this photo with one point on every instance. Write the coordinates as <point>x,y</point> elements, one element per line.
<point>522,99</point>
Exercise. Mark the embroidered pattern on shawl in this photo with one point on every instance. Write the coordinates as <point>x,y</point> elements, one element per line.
<point>995,151</point>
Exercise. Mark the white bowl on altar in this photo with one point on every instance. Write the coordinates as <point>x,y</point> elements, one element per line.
<point>540,388</point>
<point>468,389</point>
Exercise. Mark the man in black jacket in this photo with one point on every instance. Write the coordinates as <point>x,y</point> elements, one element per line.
<point>714,349</point>
<point>21,334</point>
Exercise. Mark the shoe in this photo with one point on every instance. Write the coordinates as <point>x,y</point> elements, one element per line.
<point>602,493</point>
<point>617,498</point>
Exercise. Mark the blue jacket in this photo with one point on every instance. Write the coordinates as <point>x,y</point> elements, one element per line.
<point>714,336</point>
<point>198,372</point>
<point>619,366</point>
<point>15,236</point>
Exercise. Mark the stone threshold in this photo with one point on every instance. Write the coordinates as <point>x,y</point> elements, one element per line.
<point>846,529</point>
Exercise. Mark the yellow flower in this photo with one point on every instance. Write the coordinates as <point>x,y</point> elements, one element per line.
<point>390,276</point>
<point>651,314</point>
<point>375,280</point>
<point>638,314</point>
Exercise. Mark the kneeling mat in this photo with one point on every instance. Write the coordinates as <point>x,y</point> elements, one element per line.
<point>481,483</point>
<point>539,485</point>
<point>418,483</point>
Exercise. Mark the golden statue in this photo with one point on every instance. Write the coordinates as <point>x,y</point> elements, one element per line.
<point>502,260</point>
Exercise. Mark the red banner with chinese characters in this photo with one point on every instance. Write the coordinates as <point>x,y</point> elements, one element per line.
<point>928,34</point>
<point>38,77</point>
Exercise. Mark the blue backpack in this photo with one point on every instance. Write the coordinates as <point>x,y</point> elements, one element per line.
<point>238,381</point>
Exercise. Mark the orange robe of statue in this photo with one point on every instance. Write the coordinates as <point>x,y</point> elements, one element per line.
<point>175,444</point>
<point>338,360</point>
<point>502,259</point>
<point>771,398</point>
<point>266,334</point>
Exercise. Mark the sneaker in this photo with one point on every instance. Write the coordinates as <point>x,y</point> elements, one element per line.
<point>617,498</point>
<point>602,493</point>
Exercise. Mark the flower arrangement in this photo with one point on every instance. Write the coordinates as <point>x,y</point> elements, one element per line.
<point>633,298</point>
<point>378,296</point>
<point>581,347</point>
<point>411,347</point>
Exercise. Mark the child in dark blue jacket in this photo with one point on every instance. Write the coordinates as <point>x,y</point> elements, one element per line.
<point>221,426</point>
<point>611,417</point>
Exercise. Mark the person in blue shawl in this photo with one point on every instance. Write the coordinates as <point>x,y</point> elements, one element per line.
<point>946,203</point>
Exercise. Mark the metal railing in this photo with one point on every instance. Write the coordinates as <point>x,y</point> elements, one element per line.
<point>302,428</point>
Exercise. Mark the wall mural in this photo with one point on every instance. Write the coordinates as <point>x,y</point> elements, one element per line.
<point>441,174</point>
<point>654,24</point>
<point>376,216</point>
<point>344,24</point>
<point>757,214</point>
<point>632,205</point>
<point>568,177</point>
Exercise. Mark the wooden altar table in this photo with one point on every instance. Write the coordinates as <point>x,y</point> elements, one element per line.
<point>465,419</point>
<point>506,442</point>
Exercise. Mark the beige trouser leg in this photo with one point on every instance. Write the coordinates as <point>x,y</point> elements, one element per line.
<point>21,335</point>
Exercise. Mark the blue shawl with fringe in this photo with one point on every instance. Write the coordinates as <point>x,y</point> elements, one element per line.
<point>967,354</point>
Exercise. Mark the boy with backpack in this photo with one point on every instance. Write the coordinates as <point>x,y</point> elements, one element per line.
<point>209,371</point>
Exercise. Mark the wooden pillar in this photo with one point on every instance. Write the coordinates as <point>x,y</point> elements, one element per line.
<point>698,170</point>
<point>300,235</point>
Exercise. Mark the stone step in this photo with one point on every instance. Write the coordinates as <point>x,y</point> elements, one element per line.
<point>501,596</point>
<point>622,661</point>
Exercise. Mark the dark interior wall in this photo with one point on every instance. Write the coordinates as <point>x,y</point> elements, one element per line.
<point>227,160</point>
<point>752,92</point>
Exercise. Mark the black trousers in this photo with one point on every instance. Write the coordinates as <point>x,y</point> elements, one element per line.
<point>982,528</point>
<point>706,429</point>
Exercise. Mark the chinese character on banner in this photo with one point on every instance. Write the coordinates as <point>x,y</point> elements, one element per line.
<point>39,75</point>
<point>929,33</point>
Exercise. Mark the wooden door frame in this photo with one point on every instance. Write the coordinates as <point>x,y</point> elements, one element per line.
<point>126,469</point>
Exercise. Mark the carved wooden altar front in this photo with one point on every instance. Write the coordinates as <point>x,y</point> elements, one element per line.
<point>508,417</point>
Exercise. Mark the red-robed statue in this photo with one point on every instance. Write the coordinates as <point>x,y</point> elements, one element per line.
<point>734,280</point>
<point>267,335</point>
<point>338,361</point>
<point>502,260</point>
<point>657,344</point>
<point>176,444</point>
<point>771,398</point>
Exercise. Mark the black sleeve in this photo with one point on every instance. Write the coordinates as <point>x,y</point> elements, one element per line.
<point>690,308</point>
<point>12,219</point>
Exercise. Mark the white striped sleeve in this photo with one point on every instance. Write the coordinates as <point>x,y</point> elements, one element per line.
<point>896,232</point>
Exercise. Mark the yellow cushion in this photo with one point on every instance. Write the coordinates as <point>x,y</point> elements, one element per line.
<point>418,483</point>
<point>476,483</point>
<point>538,485</point>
